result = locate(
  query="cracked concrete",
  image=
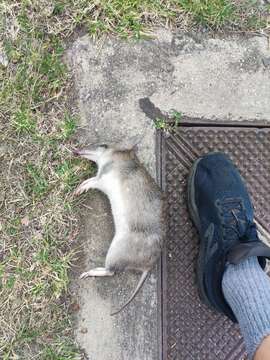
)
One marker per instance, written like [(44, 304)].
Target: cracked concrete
[(201, 77)]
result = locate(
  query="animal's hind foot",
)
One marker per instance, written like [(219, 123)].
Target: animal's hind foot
[(96, 272)]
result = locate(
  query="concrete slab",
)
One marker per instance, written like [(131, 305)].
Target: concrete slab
[(199, 76)]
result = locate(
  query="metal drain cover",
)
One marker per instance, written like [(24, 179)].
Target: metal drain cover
[(189, 329)]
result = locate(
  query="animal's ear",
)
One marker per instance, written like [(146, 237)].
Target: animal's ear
[(135, 148), (130, 143), (133, 151), (134, 142)]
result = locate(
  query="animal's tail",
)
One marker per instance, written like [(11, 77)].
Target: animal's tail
[(135, 292)]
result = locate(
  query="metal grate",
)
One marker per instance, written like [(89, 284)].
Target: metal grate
[(189, 330)]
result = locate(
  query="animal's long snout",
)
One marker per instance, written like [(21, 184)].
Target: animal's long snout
[(76, 152), (81, 152), (86, 153)]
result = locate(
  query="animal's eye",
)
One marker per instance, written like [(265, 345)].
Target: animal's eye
[(105, 146)]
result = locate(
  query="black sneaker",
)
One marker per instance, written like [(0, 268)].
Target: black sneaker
[(222, 211)]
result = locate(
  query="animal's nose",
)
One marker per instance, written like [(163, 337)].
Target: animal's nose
[(76, 152)]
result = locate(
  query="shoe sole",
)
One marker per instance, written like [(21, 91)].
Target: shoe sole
[(196, 220)]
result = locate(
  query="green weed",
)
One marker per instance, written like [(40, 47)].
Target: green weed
[(161, 124), (23, 121), (59, 351), (36, 184), (68, 127), (169, 124), (176, 117)]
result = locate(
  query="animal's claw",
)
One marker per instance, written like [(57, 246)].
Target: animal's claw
[(84, 275)]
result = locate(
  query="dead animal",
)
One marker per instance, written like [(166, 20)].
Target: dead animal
[(137, 208)]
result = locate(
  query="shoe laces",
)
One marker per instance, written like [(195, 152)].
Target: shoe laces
[(235, 223)]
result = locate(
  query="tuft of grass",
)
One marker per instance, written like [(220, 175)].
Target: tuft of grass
[(68, 126), (169, 124), (60, 351), (36, 182), (210, 13), (23, 121), (69, 173), (38, 175), (176, 117), (161, 124), (127, 18)]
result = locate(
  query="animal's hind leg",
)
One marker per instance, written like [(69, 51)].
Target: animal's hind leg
[(99, 271)]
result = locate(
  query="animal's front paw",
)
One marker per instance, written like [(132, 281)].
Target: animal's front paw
[(80, 189), (86, 185), (83, 187)]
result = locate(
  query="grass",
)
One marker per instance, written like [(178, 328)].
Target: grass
[(213, 13), (38, 174), (169, 124)]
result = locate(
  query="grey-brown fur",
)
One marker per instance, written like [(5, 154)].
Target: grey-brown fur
[(137, 207)]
